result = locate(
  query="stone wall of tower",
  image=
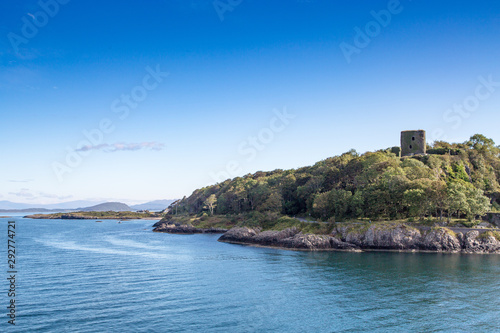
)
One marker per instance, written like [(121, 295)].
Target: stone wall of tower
[(413, 143)]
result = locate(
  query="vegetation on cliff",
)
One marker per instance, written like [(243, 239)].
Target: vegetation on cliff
[(454, 180), (262, 221)]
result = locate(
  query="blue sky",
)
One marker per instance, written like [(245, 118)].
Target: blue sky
[(251, 85)]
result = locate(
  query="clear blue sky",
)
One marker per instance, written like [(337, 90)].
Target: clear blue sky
[(349, 81)]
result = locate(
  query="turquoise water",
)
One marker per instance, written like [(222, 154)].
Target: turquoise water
[(83, 276)]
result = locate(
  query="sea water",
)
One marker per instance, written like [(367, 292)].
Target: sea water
[(88, 276)]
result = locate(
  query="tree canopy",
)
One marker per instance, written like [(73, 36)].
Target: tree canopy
[(453, 180)]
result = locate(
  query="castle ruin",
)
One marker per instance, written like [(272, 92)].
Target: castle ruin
[(413, 143)]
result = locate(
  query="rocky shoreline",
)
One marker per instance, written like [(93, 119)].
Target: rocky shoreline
[(396, 237), (356, 238), (184, 229)]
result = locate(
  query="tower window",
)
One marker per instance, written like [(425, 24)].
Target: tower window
[(411, 147), (412, 138)]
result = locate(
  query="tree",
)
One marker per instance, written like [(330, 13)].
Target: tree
[(321, 205), (482, 144), (341, 200), (211, 203), (457, 198), (414, 169), (414, 199), (274, 203), (478, 203), (439, 197), (358, 204)]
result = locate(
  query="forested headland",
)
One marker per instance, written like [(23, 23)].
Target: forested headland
[(454, 180)]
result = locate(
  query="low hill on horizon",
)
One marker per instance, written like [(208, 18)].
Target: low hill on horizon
[(156, 205), (107, 206), (81, 205)]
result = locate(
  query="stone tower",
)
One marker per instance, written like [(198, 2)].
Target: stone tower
[(413, 143)]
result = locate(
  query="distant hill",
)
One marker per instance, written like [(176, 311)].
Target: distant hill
[(156, 205), (8, 205), (82, 205), (107, 206)]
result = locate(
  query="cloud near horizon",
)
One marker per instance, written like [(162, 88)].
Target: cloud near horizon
[(21, 180), (110, 148), (29, 195)]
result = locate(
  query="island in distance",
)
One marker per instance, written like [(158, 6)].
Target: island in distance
[(85, 206)]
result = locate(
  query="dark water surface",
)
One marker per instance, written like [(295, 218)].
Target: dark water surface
[(83, 276)]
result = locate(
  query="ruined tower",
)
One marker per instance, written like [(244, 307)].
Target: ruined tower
[(413, 143)]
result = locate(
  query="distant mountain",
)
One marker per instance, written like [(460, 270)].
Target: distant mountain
[(83, 205), (156, 205), (107, 206), (6, 205)]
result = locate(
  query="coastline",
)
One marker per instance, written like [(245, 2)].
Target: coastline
[(184, 229), (386, 237), (358, 250), (352, 251)]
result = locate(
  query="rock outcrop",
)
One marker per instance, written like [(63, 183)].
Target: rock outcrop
[(289, 238), (391, 236), (184, 229), (493, 218), (473, 242), (440, 240)]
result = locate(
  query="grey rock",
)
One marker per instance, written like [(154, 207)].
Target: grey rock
[(274, 237), (440, 240), (184, 229), (240, 235), (474, 243)]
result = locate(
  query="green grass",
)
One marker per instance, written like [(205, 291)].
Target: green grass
[(448, 231), (487, 234), (263, 221), (276, 222)]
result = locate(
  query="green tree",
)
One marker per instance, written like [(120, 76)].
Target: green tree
[(457, 198), (211, 203), (478, 203), (482, 144)]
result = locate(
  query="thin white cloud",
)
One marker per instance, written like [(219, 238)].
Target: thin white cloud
[(21, 180), (110, 148), (54, 196), (26, 193)]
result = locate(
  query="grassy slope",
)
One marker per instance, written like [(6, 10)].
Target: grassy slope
[(275, 222)]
